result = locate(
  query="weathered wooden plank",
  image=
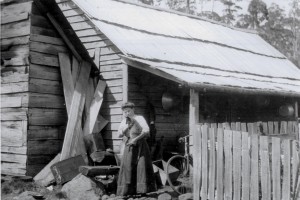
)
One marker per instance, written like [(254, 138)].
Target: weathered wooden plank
[(44, 59), (90, 90), (228, 164), (109, 50), (16, 9), (15, 61), (283, 127), (92, 38), (212, 164), (13, 133), (14, 169), (254, 188), (114, 97), (39, 100), (271, 127), (276, 166), (46, 72), (193, 107), (47, 48), (265, 128), (68, 84), (11, 101), (8, 88), (45, 86), (14, 77), (73, 133), (13, 158), (43, 147), (94, 108), (97, 57), (45, 176), (79, 18), (109, 68), (295, 169), (220, 177), (236, 164), (73, 12), (51, 117), (15, 150), (68, 5), (286, 176), (204, 165), (13, 114), (16, 29), (265, 168), (7, 43), (98, 44), (16, 51), (44, 31), (14, 18), (276, 128), (45, 133), (75, 70), (197, 163), (111, 62), (46, 39), (245, 167), (82, 25), (40, 21), (88, 32)]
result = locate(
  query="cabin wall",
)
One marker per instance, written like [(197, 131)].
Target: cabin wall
[(145, 88), (47, 115), (15, 31), (106, 57)]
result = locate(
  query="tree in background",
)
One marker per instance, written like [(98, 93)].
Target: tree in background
[(258, 12), (230, 8)]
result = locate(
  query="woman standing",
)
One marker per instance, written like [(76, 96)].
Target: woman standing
[(136, 173)]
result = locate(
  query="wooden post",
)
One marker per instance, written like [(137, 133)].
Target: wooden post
[(193, 120), (125, 83), (297, 121)]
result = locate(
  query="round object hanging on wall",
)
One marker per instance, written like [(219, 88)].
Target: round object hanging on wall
[(169, 101), (286, 110)]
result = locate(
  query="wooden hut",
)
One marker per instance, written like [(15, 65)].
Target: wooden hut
[(188, 69)]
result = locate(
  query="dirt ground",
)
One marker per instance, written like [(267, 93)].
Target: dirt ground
[(17, 189)]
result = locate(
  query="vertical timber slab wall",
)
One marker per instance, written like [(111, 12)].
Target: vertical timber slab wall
[(144, 87), (15, 31), (106, 57), (47, 115)]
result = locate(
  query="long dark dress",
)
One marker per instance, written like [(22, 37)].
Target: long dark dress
[(136, 173)]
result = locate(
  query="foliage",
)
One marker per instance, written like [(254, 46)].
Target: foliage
[(229, 10), (258, 12)]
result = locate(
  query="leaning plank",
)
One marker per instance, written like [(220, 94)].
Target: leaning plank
[(45, 177), (68, 85), (75, 69), (94, 108), (73, 132)]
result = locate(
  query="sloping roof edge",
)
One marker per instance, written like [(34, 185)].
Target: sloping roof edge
[(205, 87)]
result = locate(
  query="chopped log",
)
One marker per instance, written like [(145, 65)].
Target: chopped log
[(45, 177), (66, 170), (92, 171)]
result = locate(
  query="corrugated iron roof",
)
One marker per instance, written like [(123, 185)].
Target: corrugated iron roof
[(192, 49)]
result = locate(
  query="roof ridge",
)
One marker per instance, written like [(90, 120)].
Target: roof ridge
[(189, 15)]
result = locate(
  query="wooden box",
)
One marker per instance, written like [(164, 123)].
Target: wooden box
[(66, 170)]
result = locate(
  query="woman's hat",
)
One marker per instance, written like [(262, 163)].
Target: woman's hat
[(127, 105)]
